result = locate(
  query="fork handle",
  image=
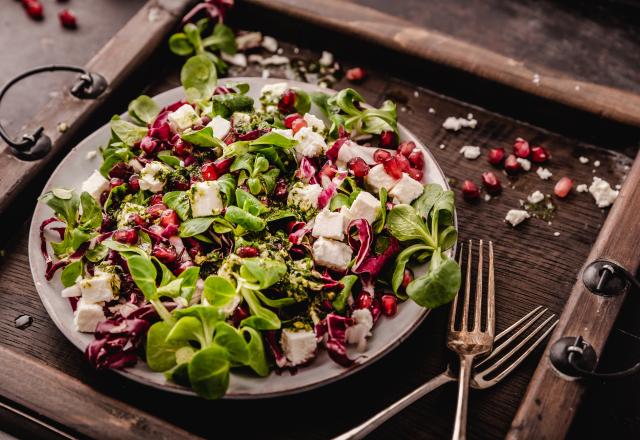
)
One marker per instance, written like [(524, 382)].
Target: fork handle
[(366, 427), (460, 427)]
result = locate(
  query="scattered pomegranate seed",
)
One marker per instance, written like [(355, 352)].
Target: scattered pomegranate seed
[(415, 174), (155, 211), (165, 253), (134, 183), (356, 74), (540, 154), (223, 165), (287, 102), (148, 144), (182, 148), (406, 148), (407, 277), (511, 164), (496, 156), (34, 9), (363, 301), (121, 170), (281, 191), (170, 231), (247, 252), (389, 305), (375, 309), (169, 217), (417, 159), (162, 132), (563, 187), (114, 181), (403, 162), (329, 170), (156, 199), (491, 183), (68, 19), (288, 120), (470, 190), (298, 124), (392, 167), (189, 160), (126, 236), (380, 156), (137, 219), (521, 148), (387, 139), (193, 246), (358, 167), (209, 171)]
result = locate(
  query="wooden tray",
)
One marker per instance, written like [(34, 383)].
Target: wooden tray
[(533, 265)]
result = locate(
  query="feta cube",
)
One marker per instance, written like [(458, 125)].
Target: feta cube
[(310, 143), (602, 192), (220, 127), (378, 179), (152, 176), (71, 291), (358, 333), (332, 254), (329, 225), (87, 316), (406, 190), (205, 199), (365, 206), (350, 150), (314, 123), (95, 185), (535, 197), (516, 216), (544, 173), (184, 117), (304, 196), (298, 346), (101, 287)]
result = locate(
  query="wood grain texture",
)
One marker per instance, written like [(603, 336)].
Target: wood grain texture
[(125, 52), (403, 36)]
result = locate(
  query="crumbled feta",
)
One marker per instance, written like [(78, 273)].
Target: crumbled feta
[(544, 173), (358, 333), (95, 185), (127, 210), (255, 58), (184, 117), (275, 60), (248, 40), (432, 111), (596, 163), (205, 199), (332, 254), (377, 178), (329, 225), (303, 196), (442, 146), (298, 346), (313, 122), (270, 43), (516, 216), (406, 190), (602, 192), (237, 59), (470, 152), (71, 291), (536, 197), (273, 91), (101, 287), (87, 316), (365, 206), (326, 59), (152, 176), (524, 163), (455, 124), (310, 143), (582, 188), (220, 126), (583, 159), (556, 234)]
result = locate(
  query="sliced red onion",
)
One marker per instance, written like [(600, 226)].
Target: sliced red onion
[(335, 327), (332, 153), (361, 245), (327, 193), (306, 171), (300, 229)]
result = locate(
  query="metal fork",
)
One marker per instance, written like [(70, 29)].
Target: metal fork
[(503, 360), (471, 341)]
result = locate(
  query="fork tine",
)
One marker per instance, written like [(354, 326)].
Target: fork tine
[(506, 331), (454, 303), (478, 306), (522, 343), (491, 294), (467, 288), (513, 337)]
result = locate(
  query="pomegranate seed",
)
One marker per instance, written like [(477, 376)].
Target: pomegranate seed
[(281, 191), (287, 102), (358, 167), (169, 217), (182, 148), (406, 148), (193, 246), (415, 174), (162, 132), (496, 156), (363, 301), (107, 224), (148, 144), (403, 162), (134, 183), (380, 156), (247, 252), (491, 183), (138, 219), (34, 9), (155, 211), (165, 253), (511, 164), (288, 120), (521, 148), (179, 184), (209, 171), (392, 167), (375, 309), (563, 187), (189, 160), (155, 199), (470, 190), (407, 277), (387, 139), (356, 74), (68, 19), (417, 159), (389, 305), (170, 231), (540, 154), (115, 182), (126, 236), (223, 165), (297, 124), (121, 170)]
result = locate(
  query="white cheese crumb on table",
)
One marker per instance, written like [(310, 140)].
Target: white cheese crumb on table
[(583, 159), (455, 124), (470, 152), (582, 188), (516, 216), (535, 197), (602, 192), (544, 173), (524, 163)]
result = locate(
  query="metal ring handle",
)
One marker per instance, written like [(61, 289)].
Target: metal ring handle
[(35, 146), (576, 352)]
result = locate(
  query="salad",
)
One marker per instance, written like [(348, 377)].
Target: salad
[(221, 233)]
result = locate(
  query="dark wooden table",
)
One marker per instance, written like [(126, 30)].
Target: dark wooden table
[(533, 265)]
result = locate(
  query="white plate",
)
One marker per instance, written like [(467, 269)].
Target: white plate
[(387, 334)]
